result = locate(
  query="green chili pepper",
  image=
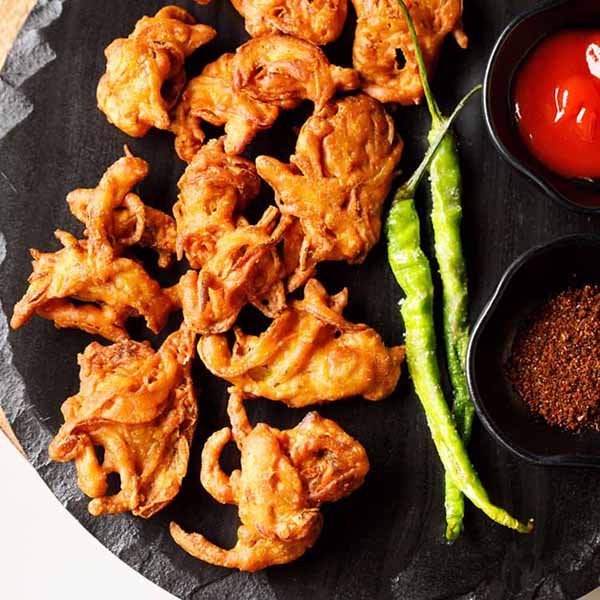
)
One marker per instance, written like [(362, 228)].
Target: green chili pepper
[(412, 271), (446, 216)]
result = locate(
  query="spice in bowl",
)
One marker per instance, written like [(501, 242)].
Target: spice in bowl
[(555, 360)]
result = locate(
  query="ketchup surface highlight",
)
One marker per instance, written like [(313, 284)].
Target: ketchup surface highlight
[(556, 98)]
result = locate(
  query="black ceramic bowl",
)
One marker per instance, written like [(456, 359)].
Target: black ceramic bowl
[(512, 47), (534, 277)]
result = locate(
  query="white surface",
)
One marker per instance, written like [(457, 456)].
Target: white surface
[(45, 554)]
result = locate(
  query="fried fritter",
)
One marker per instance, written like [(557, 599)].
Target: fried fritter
[(246, 91), (285, 476), (331, 463), (87, 284), (309, 354), (245, 268), (317, 21), (140, 407), (210, 97), (113, 191), (144, 72), (381, 31), (336, 184), (214, 189), (107, 294), (130, 221), (282, 70)]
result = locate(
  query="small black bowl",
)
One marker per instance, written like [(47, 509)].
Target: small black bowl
[(515, 42), (534, 277)]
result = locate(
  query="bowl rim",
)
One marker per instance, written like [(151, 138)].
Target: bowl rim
[(557, 196), (562, 460)]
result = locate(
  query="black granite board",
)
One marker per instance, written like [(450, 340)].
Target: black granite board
[(386, 540)]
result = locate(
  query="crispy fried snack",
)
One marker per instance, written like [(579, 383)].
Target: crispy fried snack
[(245, 268), (285, 476), (140, 407), (214, 189), (108, 288), (336, 184), (210, 97), (130, 221), (319, 22), (246, 91), (282, 70), (309, 354), (108, 293), (381, 30), (144, 72)]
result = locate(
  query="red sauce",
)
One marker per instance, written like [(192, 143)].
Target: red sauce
[(557, 103)]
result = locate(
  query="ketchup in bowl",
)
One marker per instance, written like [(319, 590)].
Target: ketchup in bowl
[(556, 98)]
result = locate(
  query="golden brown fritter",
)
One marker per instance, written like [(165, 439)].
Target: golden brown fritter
[(135, 223), (284, 478), (130, 221), (87, 284), (107, 293), (214, 189), (140, 407), (113, 191), (210, 97), (336, 184), (330, 462), (246, 91), (309, 354), (317, 21), (282, 70), (245, 268), (381, 31), (144, 72)]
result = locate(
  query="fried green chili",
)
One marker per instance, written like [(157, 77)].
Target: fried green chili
[(412, 271), (446, 216)]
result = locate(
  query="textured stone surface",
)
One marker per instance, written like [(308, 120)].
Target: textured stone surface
[(385, 541)]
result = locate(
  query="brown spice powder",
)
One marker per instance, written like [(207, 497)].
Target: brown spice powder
[(555, 360)]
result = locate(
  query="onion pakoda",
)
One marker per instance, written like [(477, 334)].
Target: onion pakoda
[(282, 70), (336, 184), (210, 97), (144, 72), (382, 31), (246, 268), (87, 284), (214, 190), (71, 289), (140, 407), (308, 355), (284, 478), (130, 222), (317, 21), (246, 91)]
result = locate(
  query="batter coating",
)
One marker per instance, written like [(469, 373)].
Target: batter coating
[(140, 407), (284, 478), (309, 354), (382, 31), (144, 72)]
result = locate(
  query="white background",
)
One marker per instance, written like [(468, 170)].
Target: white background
[(45, 554)]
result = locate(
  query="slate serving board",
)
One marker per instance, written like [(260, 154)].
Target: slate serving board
[(386, 540)]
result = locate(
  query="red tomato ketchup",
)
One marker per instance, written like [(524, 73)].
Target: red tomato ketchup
[(557, 103)]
